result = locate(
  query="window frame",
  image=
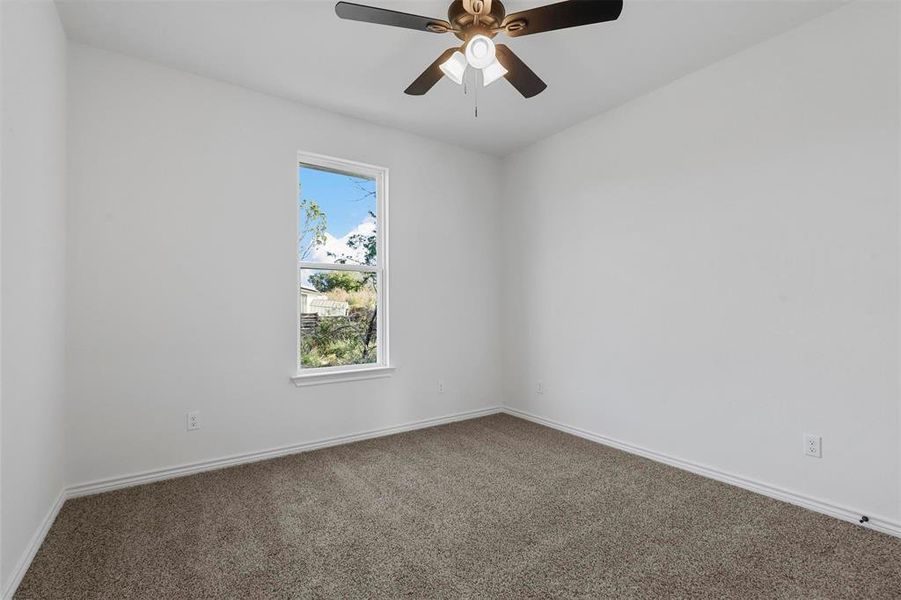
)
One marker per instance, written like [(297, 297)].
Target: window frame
[(382, 367)]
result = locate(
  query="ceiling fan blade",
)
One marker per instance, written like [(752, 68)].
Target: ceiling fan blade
[(561, 15), (519, 74), (383, 16), (430, 76)]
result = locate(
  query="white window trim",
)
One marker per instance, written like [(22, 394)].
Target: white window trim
[(382, 368), (354, 373)]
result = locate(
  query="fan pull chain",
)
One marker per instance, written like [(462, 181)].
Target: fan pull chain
[(476, 76)]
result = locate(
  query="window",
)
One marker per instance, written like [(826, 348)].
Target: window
[(342, 268)]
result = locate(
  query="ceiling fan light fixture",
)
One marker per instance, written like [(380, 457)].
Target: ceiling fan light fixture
[(480, 51), (492, 73), (475, 22), (454, 67)]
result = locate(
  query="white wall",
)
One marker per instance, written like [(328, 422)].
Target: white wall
[(182, 291), (32, 188), (712, 270)]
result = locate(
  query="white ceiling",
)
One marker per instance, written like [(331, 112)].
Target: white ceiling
[(300, 50)]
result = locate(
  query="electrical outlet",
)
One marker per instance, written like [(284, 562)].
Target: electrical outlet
[(540, 387), (813, 445), (440, 386), (193, 420)]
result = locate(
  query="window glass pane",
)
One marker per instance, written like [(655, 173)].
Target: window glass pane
[(337, 217), (338, 318)]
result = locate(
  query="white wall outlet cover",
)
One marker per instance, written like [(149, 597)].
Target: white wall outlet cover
[(440, 386), (193, 420), (540, 387), (813, 445)]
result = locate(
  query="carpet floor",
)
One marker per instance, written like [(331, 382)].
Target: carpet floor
[(496, 507)]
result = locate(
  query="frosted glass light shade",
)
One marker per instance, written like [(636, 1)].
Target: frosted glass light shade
[(480, 51), (492, 73), (454, 67)]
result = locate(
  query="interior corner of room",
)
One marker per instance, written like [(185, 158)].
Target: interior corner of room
[(661, 292)]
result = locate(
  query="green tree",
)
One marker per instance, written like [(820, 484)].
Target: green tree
[(326, 281), (367, 335), (313, 223)]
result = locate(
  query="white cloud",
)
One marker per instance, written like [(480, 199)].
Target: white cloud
[(338, 247)]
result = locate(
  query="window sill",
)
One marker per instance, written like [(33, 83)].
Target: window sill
[(316, 378)]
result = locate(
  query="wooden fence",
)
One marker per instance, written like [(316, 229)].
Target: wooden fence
[(308, 322)]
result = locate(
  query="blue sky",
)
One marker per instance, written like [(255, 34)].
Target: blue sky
[(342, 198)]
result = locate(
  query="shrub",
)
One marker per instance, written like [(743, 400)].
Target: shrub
[(340, 341)]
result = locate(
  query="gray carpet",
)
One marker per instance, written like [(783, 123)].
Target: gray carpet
[(491, 508)]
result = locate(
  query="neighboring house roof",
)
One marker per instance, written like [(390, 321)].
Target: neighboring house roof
[(304, 288)]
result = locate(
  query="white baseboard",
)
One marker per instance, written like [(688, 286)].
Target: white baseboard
[(844, 513), (36, 540), (115, 483)]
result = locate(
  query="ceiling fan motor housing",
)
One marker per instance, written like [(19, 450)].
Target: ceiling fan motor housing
[(464, 23)]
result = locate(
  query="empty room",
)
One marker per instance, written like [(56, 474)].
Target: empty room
[(483, 299)]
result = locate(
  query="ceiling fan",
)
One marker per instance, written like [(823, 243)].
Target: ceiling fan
[(476, 22)]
